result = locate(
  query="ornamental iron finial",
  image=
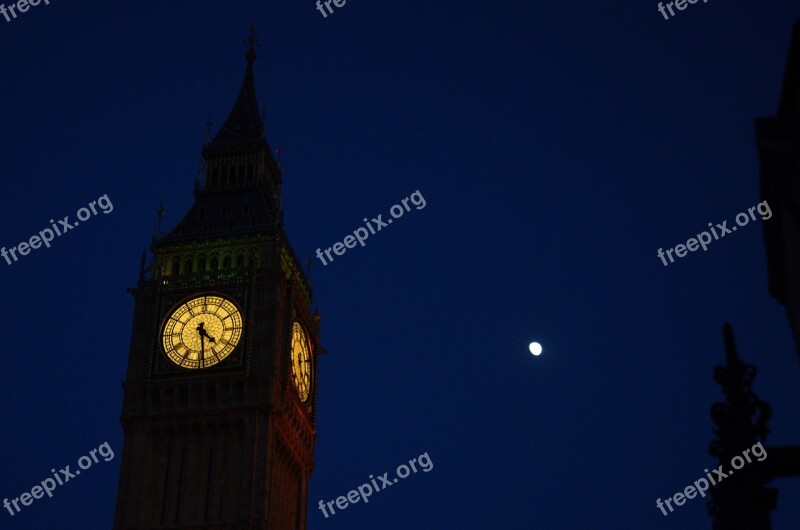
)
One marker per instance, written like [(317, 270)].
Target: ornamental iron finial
[(252, 42), (209, 125), (741, 423)]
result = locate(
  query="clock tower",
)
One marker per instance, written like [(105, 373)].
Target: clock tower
[(220, 393)]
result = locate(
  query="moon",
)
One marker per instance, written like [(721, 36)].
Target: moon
[(535, 348)]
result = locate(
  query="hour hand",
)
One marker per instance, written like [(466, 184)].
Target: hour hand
[(203, 333)]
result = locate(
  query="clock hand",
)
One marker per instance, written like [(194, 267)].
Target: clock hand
[(203, 333)]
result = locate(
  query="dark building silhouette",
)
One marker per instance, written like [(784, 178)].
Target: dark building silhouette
[(778, 143), (219, 404), (744, 501)]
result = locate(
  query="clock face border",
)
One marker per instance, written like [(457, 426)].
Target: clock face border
[(305, 392), (162, 366), (199, 324)]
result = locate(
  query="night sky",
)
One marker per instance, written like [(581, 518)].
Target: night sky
[(558, 146)]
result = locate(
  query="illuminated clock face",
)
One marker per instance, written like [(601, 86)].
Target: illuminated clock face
[(301, 362), (202, 332)]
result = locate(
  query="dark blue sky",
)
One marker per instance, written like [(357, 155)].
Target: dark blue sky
[(558, 146)]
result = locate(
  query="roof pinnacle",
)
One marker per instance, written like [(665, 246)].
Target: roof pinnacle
[(252, 43)]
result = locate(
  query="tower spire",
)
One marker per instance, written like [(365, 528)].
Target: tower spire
[(244, 125)]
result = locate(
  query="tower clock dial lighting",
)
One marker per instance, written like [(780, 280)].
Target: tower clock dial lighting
[(200, 382), (301, 362), (202, 332)]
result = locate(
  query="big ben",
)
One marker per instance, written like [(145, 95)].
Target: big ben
[(220, 393)]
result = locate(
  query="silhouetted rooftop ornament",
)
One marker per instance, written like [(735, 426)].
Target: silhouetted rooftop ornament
[(743, 501), (252, 43), (209, 124), (157, 230)]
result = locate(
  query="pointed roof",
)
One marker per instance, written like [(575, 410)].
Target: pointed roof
[(244, 124)]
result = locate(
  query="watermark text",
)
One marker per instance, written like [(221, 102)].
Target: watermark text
[(59, 478), (704, 238), (375, 485), (47, 235), (701, 485)]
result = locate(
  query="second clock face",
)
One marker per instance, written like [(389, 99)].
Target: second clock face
[(202, 332), (301, 362)]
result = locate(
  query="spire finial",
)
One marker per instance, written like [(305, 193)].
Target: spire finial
[(142, 265), (209, 124), (157, 229), (252, 43), (160, 214)]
